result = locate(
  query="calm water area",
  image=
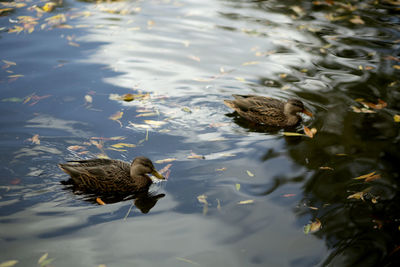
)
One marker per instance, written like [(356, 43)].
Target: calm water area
[(237, 194)]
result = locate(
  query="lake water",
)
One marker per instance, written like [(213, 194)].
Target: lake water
[(237, 194)]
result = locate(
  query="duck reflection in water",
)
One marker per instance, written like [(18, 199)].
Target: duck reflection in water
[(113, 180)]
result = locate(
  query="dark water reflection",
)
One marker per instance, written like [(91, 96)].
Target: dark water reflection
[(189, 56)]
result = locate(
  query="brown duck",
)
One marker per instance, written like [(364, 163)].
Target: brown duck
[(111, 176), (268, 111)]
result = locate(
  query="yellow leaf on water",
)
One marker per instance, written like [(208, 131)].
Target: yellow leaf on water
[(48, 7), (244, 202), (240, 79), (88, 98), (43, 258), (364, 176), (165, 160), (122, 145), (397, 67), (15, 76), (237, 187), (187, 260), (249, 173), (9, 63), (221, 169), (116, 116), (396, 118), (9, 263), (16, 29), (251, 63), (283, 75), (358, 195), (292, 134)]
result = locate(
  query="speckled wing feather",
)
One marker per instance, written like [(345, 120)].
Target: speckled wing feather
[(258, 109)]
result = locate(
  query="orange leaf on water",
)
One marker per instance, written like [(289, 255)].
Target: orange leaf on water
[(99, 201)]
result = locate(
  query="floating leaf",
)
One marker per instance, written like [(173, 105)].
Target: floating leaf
[(128, 97), (244, 202), (358, 195), (218, 124), (195, 156), (139, 126), (309, 132), (288, 195), (240, 79), (326, 168), (88, 99), (187, 261), (116, 116), (9, 263), (203, 199), (251, 63), (35, 139), (122, 145), (195, 58), (165, 160), (186, 109), (237, 187), (165, 171), (12, 99), (362, 110), (155, 123), (99, 201), (43, 258), (312, 227), (75, 148), (9, 63), (249, 173), (397, 67), (364, 176), (48, 7), (221, 169), (149, 114), (396, 118), (357, 20), (283, 75), (292, 134)]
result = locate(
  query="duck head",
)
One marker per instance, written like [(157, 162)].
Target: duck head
[(141, 166)]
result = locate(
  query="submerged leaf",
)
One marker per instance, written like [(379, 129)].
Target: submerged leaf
[(249, 173), (9, 263), (237, 187), (43, 258), (244, 202)]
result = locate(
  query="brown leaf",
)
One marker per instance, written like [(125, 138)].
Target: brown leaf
[(357, 20)]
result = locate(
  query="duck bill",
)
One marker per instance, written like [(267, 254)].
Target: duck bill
[(307, 112), (158, 175)]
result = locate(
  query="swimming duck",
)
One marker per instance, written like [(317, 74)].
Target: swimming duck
[(268, 111), (111, 176)]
